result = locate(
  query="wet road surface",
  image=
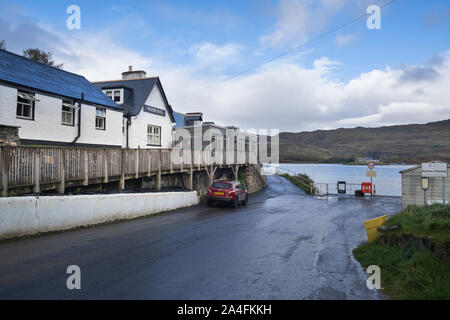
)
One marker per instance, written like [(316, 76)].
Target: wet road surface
[(284, 245)]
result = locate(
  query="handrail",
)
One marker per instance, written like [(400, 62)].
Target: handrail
[(33, 167), (297, 175), (308, 183)]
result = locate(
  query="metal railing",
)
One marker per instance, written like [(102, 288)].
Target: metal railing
[(325, 189), (307, 183), (318, 189)]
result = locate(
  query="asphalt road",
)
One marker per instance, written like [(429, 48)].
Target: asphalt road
[(284, 245)]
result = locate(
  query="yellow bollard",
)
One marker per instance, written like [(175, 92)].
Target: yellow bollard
[(371, 228)]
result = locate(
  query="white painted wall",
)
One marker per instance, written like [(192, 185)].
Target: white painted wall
[(47, 124), (138, 128), (90, 135), (23, 216), (124, 132)]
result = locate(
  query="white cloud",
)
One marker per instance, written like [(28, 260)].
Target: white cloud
[(282, 94), (400, 113), (325, 65), (96, 58), (208, 54), (291, 98), (298, 19), (345, 39)]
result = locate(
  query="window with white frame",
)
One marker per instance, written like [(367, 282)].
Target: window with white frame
[(153, 135), (100, 119), (68, 113), (25, 105), (115, 95)]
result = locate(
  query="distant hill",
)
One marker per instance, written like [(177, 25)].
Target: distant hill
[(395, 144)]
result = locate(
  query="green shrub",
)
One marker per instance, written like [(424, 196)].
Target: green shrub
[(407, 274), (424, 221), (296, 181)]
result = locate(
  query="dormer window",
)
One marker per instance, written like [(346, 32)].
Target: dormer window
[(115, 94)]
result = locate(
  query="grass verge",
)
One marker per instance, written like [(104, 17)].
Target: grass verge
[(296, 181), (412, 273), (431, 221), (407, 274)]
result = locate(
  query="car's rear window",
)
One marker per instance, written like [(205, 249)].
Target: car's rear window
[(221, 185)]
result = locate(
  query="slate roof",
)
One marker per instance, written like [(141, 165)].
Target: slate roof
[(18, 70), (179, 119), (136, 93)]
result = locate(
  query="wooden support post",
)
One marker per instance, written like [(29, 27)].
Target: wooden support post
[(86, 168), (236, 172), (136, 164), (62, 172), (37, 170), (149, 163), (105, 166), (211, 172), (158, 178), (191, 179), (182, 160), (4, 169), (122, 172)]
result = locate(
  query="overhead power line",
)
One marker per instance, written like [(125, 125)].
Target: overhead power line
[(286, 53)]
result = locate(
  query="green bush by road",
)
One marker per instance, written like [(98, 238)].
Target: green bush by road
[(296, 180), (407, 274), (412, 273), (431, 221)]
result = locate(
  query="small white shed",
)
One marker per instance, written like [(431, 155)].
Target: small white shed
[(412, 193)]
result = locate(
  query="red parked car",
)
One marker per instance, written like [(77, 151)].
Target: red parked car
[(231, 192)]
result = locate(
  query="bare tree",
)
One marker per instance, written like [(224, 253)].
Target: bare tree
[(41, 56), (3, 45)]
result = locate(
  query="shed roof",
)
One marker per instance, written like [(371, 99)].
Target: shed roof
[(18, 70), (417, 167)]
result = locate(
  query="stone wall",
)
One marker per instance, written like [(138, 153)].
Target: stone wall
[(253, 179), (249, 175), (9, 136)]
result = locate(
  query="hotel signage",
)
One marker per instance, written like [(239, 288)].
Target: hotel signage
[(150, 109)]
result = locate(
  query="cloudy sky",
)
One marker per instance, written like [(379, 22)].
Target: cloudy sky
[(210, 56)]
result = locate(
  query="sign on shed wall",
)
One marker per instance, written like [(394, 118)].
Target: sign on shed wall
[(434, 170)]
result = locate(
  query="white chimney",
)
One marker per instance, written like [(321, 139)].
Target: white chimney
[(130, 74)]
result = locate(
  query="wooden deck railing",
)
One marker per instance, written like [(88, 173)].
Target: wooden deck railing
[(42, 168)]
